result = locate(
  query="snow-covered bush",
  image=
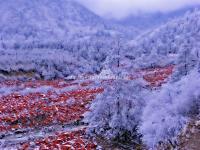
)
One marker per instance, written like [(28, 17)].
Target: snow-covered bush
[(169, 108), (117, 111)]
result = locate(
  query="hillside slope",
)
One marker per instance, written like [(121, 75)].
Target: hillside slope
[(43, 21), (49, 37), (173, 43)]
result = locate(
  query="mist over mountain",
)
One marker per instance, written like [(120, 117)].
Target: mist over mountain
[(152, 20)]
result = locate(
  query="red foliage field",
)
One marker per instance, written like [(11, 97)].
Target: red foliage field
[(62, 141), (35, 110)]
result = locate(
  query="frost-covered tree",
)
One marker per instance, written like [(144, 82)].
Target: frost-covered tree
[(116, 113), (168, 109), (187, 60)]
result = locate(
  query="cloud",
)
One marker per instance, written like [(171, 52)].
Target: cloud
[(122, 8)]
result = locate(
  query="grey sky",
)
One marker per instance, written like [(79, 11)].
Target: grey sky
[(121, 8)]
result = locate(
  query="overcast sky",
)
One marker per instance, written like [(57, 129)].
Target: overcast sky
[(122, 8)]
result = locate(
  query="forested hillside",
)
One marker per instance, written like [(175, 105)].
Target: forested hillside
[(65, 29)]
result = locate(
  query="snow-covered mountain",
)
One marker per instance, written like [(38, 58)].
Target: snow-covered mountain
[(38, 30), (43, 21)]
